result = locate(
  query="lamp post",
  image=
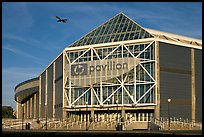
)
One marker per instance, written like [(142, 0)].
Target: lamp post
[(169, 100), (117, 113), (22, 114), (86, 116), (46, 116), (108, 111), (75, 112)]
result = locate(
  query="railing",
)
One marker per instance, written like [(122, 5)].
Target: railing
[(128, 122), (175, 124)]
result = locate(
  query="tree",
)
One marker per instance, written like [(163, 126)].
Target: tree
[(7, 112)]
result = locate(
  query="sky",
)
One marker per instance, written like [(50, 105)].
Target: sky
[(32, 37)]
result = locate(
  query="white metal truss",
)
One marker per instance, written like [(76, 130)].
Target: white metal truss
[(120, 82)]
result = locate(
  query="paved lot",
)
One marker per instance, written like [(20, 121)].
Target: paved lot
[(97, 133)]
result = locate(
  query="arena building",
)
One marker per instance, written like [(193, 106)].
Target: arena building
[(118, 70)]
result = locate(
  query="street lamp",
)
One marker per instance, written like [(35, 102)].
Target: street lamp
[(86, 116), (108, 111), (45, 116), (117, 112), (22, 114), (169, 100)]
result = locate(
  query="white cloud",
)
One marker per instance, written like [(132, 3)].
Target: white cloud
[(13, 37), (44, 44), (22, 53), (25, 40)]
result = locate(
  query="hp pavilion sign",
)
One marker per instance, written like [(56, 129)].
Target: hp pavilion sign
[(79, 69), (90, 72), (84, 69)]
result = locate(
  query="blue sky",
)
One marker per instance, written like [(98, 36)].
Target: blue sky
[(31, 37)]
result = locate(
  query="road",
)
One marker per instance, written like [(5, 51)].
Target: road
[(98, 133)]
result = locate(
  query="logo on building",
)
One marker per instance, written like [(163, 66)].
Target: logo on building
[(110, 66), (90, 72), (79, 69), (84, 69)]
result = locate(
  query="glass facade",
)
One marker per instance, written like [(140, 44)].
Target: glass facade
[(118, 28)]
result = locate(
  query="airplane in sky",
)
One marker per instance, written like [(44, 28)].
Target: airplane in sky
[(61, 19)]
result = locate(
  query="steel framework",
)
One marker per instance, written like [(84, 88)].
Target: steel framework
[(135, 87)]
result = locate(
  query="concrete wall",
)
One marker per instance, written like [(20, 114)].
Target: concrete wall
[(58, 87), (43, 82), (175, 80), (33, 106), (46, 85), (50, 91), (198, 84), (47, 82), (37, 105)]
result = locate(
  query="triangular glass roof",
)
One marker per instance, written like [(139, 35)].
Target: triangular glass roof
[(118, 28)]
